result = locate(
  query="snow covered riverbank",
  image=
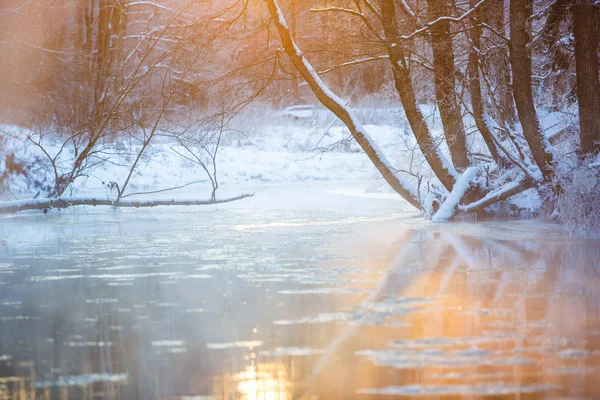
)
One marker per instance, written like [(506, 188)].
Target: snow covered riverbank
[(291, 152), (284, 154)]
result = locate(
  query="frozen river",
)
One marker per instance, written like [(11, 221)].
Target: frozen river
[(314, 293)]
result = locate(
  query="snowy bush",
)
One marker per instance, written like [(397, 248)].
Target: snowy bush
[(578, 204)]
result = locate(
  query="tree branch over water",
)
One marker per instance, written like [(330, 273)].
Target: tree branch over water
[(66, 202)]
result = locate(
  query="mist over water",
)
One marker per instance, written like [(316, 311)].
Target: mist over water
[(293, 303)]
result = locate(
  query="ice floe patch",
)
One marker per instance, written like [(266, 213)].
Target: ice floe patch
[(197, 276), (359, 319), (583, 370), (14, 303), (81, 380), (491, 389), (577, 353), (168, 343), (399, 305), (334, 290), (65, 270), (466, 376), (233, 345), (319, 319), (445, 342), (291, 352), (50, 278), (195, 310), (18, 318), (109, 277), (426, 358), (117, 268), (88, 344), (170, 346), (101, 301)]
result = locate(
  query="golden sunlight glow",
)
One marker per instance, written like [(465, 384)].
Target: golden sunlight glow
[(258, 382)]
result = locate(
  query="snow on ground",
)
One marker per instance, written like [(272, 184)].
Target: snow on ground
[(288, 153)]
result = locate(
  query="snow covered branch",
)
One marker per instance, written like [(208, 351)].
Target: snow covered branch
[(449, 207), (66, 202), (429, 25)]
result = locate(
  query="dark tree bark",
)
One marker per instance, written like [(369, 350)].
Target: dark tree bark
[(475, 88), (557, 12), (445, 90), (405, 90), (520, 60), (493, 13), (586, 19)]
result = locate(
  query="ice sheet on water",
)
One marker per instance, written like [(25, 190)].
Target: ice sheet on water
[(330, 290), (101, 301), (168, 343), (88, 344), (399, 305), (577, 353), (319, 319), (577, 370), (291, 351), (196, 276), (499, 389), (445, 342), (250, 344), (403, 359), (80, 380)]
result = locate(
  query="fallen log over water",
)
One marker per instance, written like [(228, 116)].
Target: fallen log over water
[(66, 202)]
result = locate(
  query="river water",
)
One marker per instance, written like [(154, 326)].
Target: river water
[(310, 294)]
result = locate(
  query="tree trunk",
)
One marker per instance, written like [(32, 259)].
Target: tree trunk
[(475, 89), (445, 90), (493, 13), (405, 90), (586, 31), (520, 60), (337, 106)]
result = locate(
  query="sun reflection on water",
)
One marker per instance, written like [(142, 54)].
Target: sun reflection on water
[(269, 381)]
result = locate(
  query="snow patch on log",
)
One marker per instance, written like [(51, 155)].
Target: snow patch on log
[(448, 208)]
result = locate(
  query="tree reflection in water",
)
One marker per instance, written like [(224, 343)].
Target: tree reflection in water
[(482, 317)]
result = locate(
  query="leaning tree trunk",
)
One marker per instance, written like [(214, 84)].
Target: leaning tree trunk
[(475, 88), (337, 106), (520, 60), (445, 90), (586, 19), (405, 90)]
